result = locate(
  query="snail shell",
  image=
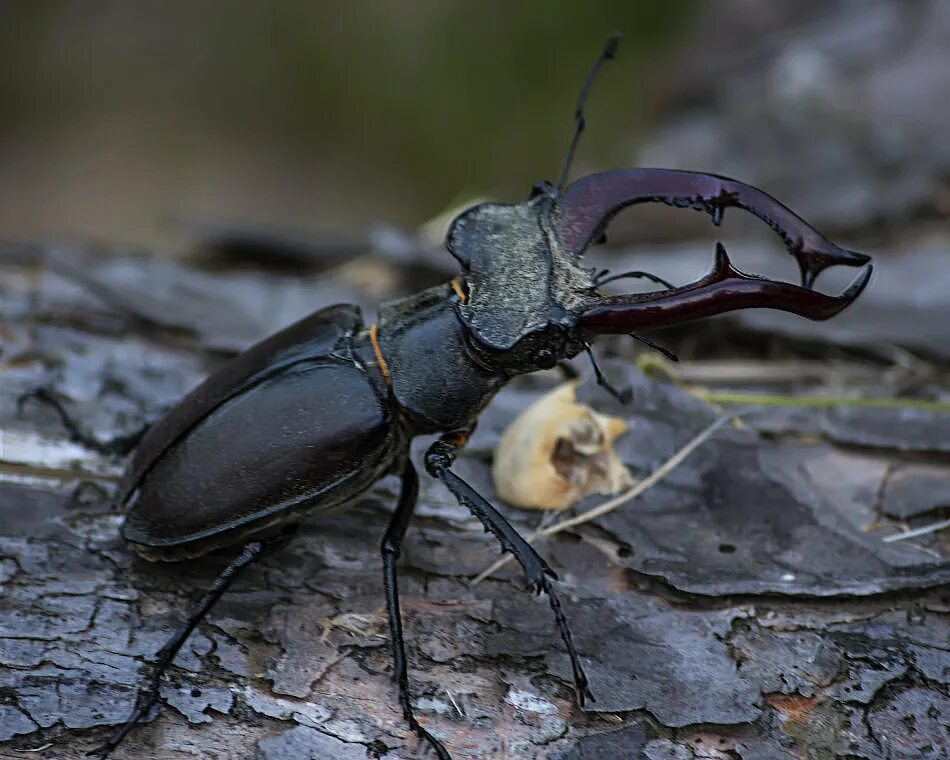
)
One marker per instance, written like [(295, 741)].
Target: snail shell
[(557, 451)]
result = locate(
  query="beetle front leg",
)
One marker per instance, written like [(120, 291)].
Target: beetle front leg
[(438, 460), (391, 549)]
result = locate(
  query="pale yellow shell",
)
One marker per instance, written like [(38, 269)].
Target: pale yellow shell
[(558, 451)]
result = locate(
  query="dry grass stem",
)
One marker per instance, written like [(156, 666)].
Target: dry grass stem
[(921, 531), (821, 401), (611, 504)]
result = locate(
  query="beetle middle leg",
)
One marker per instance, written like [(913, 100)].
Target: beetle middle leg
[(148, 697), (391, 549), (538, 574)]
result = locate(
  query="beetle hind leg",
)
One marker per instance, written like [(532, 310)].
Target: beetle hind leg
[(118, 446), (538, 574), (391, 549), (148, 696)]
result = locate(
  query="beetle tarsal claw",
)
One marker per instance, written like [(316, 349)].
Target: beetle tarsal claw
[(581, 684)]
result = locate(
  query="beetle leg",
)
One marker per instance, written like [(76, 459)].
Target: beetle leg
[(655, 346), (391, 548), (118, 446), (438, 461), (147, 698), (602, 279)]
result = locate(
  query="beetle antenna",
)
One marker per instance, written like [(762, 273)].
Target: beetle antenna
[(623, 396), (608, 53)]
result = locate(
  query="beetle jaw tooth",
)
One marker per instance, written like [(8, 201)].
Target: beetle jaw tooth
[(723, 290)]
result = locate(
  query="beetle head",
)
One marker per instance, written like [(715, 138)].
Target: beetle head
[(531, 300), (589, 204), (522, 289)]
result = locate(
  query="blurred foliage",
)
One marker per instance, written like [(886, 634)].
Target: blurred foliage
[(413, 101)]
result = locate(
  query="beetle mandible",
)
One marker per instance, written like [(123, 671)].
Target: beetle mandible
[(357, 394)]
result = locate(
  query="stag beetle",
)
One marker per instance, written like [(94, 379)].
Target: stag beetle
[(310, 418)]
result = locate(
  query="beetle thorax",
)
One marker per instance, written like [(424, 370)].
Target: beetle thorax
[(522, 289)]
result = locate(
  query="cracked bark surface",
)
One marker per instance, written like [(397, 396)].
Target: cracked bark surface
[(745, 607)]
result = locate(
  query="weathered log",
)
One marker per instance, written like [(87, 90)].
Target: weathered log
[(745, 607)]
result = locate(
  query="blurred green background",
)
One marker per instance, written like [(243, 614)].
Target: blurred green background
[(320, 115)]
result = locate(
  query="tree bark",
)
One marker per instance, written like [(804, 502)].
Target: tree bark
[(744, 607)]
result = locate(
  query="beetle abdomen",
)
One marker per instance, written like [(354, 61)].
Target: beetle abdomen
[(313, 437), (311, 337)]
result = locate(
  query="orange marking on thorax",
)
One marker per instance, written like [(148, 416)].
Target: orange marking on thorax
[(457, 287), (383, 367)]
